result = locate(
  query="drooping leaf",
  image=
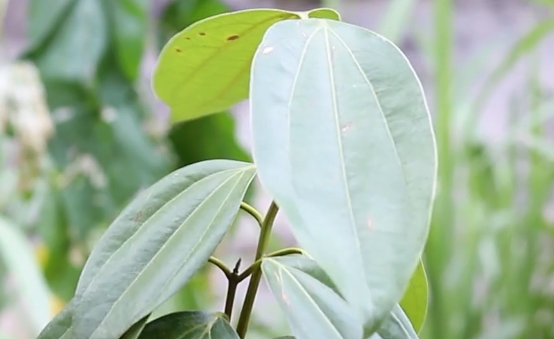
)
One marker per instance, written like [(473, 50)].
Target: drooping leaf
[(190, 325), (206, 67), (130, 29), (416, 298), (74, 52), (156, 244), (312, 308), (343, 142), (16, 255), (137, 328), (59, 327)]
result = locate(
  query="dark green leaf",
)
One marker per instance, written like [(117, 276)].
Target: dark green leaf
[(135, 330), (313, 309), (156, 244), (190, 325), (343, 141), (130, 25)]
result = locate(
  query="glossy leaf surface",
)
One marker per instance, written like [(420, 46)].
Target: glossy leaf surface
[(205, 68), (343, 142), (189, 325), (312, 308), (156, 244)]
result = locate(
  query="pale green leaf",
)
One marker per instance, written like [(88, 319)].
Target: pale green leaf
[(416, 298), (343, 141), (313, 309), (156, 244), (44, 16), (397, 326), (60, 326), (31, 289), (205, 68), (190, 325)]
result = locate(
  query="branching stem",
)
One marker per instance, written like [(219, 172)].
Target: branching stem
[(253, 212), (263, 240)]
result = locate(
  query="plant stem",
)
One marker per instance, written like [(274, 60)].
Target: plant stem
[(284, 252), (234, 281), (253, 212), (263, 239), (221, 266)]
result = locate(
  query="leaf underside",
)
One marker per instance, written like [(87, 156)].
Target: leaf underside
[(343, 142)]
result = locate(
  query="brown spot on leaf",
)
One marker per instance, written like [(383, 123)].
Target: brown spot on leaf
[(232, 37), (178, 50), (187, 38), (201, 33), (137, 216)]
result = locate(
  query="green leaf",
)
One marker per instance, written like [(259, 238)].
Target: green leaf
[(189, 325), (137, 328), (16, 254), (397, 326), (313, 309), (416, 298), (342, 139), (84, 33), (130, 25), (156, 244), (60, 326), (44, 17), (205, 68)]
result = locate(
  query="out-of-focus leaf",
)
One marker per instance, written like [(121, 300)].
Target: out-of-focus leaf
[(189, 325), (17, 256), (343, 141), (213, 137), (74, 52), (205, 68), (45, 16), (416, 298), (129, 20), (156, 244), (60, 326), (312, 308), (394, 22)]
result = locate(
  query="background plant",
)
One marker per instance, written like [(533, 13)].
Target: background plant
[(480, 220)]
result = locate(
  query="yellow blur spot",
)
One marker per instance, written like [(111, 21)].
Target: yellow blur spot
[(41, 253), (56, 304)]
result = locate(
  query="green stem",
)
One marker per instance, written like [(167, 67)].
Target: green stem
[(263, 240), (234, 281), (284, 252), (221, 266), (253, 212)]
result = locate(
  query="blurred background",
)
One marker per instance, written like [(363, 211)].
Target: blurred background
[(81, 133)]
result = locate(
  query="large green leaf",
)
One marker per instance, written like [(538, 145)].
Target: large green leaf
[(156, 244), (416, 298), (130, 28), (190, 325), (17, 257), (60, 326), (397, 321), (206, 67), (343, 142), (312, 308), (137, 328)]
